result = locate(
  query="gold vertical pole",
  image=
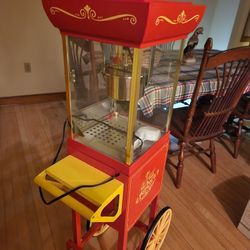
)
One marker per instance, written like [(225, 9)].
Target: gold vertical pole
[(134, 94), (176, 80), (67, 79)]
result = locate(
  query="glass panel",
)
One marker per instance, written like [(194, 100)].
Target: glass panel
[(166, 59), (86, 63), (100, 84), (101, 76), (160, 66)]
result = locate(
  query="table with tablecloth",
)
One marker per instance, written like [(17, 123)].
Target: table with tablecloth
[(158, 93)]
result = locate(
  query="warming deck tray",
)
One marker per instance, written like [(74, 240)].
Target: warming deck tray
[(71, 172)]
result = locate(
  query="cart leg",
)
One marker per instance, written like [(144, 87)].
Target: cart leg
[(153, 209), (77, 232), (77, 229), (123, 237)]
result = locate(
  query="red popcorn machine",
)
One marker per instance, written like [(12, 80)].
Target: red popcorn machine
[(114, 50)]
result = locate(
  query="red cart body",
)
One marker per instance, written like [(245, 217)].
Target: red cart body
[(110, 37)]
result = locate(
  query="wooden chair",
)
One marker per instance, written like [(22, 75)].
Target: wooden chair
[(85, 64), (242, 111), (203, 120)]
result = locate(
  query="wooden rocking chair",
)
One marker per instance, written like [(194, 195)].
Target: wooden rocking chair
[(204, 120)]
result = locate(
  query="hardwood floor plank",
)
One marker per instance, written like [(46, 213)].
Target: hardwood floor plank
[(16, 191), (200, 194), (206, 210), (181, 219), (3, 178), (35, 148)]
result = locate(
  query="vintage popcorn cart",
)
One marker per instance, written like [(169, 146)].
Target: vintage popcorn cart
[(113, 50)]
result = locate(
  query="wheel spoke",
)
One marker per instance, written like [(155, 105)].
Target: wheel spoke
[(159, 231), (162, 235), (165, 219), (152, 242)]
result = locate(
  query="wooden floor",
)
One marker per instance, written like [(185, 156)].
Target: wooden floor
[(206, 209)]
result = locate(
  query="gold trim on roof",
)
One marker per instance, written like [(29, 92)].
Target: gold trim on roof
[(181, 19), (88, 13)]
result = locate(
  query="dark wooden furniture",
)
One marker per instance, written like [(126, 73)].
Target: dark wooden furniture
[(242, 111), (204, 118)]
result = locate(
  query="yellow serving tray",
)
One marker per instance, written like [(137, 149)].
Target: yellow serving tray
[(71, 172)]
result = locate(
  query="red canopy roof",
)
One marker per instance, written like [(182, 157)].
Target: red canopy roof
[(134, 23)]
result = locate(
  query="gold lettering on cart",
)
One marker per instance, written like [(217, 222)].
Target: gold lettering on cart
[(147, 185), (181, 19), (88, 13)]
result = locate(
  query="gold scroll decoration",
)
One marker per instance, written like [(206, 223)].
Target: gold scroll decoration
[(181, 19), (147, 185), (88, 13)]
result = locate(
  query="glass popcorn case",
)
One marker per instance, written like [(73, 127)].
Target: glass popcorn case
[(117, 54), (106, 83)]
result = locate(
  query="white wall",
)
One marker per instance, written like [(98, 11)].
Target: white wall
[(239, 25), (26, 35), (207, 19), (218, 21), (223, 22)]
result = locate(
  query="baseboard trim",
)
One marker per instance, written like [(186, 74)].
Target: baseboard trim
[(30, 99)]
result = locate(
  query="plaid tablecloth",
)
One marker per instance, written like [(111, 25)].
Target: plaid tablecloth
[(159, 94)]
